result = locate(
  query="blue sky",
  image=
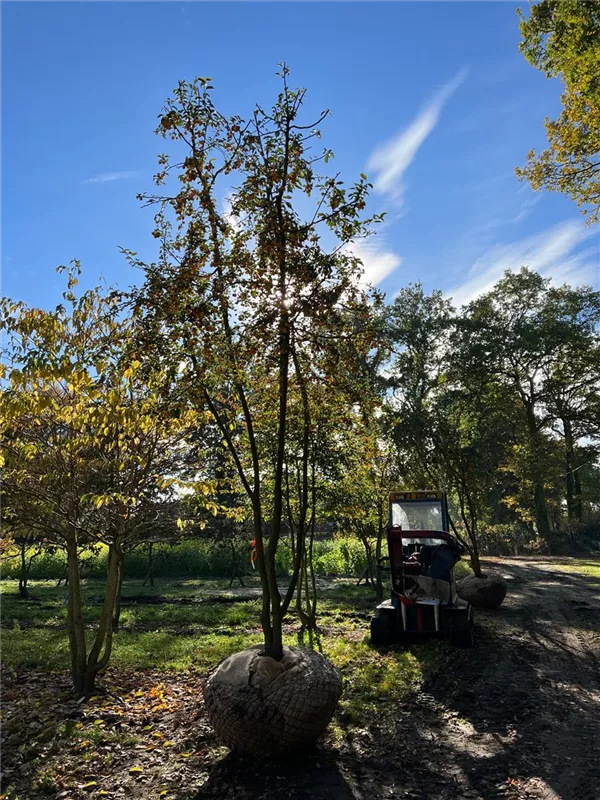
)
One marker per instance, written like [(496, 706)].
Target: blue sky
[(432, 100)]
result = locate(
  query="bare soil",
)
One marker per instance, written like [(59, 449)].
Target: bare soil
[(516, 717)]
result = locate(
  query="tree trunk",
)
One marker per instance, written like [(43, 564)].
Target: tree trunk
[(364, 577), (274, 648), (150, 574), (578, 497), (307, 586), (300, 588), (235, 567), (474, 536), (117, 613), (378, 546), (312, 604), (75, 625), (104, 636), (474, 559), (469, 519), (64, 577), (368, 572), (265, 614), (542, 519), (24, 573), (573, 484)]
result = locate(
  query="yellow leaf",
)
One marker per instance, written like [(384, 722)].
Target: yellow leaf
[(135, 770), (169, 744), (89, 785)]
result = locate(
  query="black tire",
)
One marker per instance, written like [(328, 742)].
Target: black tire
[(461, 632), (383, 627)]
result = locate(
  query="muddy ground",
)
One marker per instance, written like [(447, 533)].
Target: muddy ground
[(516, 717)]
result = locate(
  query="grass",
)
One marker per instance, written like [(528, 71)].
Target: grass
[(163, 636), (147, 729), (195, 635), (146, 736), (587, 567)]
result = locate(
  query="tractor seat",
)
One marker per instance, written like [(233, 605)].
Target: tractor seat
[(438, 560)]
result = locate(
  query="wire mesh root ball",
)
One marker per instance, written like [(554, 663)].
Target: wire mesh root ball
[(488, 591), (259, 706)]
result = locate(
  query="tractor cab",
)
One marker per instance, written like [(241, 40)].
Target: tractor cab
[(421, 561)]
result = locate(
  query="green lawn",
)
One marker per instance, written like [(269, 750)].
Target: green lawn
[(196, 629), (581, 566), (148, 734)]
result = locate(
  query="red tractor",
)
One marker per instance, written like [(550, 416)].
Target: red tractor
[(422, 558)]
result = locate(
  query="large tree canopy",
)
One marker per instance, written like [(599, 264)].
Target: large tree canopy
[(562, 39)]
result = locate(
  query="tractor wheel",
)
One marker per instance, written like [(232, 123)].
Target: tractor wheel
[(461, 632), (383, 627)]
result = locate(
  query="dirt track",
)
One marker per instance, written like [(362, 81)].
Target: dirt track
[(516, 717)]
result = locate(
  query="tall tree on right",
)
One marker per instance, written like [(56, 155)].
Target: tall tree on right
[(562, 39), (530, 336)]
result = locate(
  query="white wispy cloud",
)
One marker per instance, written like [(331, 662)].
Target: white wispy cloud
[(377, 259), (108, 177), (551, 253), (528, 203), (390, 161)]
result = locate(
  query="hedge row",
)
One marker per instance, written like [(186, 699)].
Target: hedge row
[(199, 559)]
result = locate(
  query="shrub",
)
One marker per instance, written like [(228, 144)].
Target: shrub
[(198, 558), (506, 540)]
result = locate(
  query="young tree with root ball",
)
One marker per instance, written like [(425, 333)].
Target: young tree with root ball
[(244, 290)]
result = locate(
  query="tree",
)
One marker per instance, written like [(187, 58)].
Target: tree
[(529, 336), (358, 497), (562, 39), (450, 423), (245, 301), (572, 385), (90, 456), (30, 548)]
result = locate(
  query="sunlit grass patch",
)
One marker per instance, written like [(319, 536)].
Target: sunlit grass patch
[(579, 566), (376, 680), (197, 635), (35, 647), (209, 614), (462, 569)]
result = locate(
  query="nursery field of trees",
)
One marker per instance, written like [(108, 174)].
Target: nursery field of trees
[(196, 473)]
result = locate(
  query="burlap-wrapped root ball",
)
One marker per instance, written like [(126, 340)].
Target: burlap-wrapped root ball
[(488, 591), (259, 706)]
